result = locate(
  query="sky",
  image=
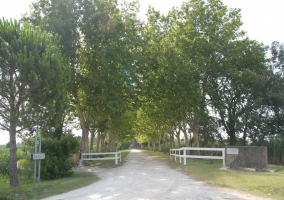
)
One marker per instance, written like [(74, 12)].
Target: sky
[(263, 20)]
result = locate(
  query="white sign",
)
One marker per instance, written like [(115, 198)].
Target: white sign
[(38, 156), (233, 151)]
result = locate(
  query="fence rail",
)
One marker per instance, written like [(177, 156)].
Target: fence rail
[(177, 153), (95, 156)]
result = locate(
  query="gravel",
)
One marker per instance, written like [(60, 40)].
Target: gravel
[(143, 177)]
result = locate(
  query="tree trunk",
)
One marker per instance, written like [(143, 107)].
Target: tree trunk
[(103, 136), (154, 145), (172, 137), (98, 142), (231, 131), (162, 138), (13, 170), (246, 122), (194, 127), (159, 144), (85, 126), (164, 143), (177, 134), (111, 142), (233, 140), (183, 128), (93, 134), (172, 140)]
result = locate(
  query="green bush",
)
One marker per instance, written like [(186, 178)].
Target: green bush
[(4, 161), (57, 162), (25, 167)]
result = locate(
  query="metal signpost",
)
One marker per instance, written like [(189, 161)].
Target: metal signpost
[(37, 156)]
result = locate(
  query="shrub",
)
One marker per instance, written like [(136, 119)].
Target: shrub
[(25, 167), (57, 162), (4, 161)]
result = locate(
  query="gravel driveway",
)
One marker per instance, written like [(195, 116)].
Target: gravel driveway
[(143, 177)]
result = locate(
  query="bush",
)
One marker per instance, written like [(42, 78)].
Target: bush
[(275, 148), (4, 161), (25, 167), (57, 162)]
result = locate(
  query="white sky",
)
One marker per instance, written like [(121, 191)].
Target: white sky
[(263, 19)]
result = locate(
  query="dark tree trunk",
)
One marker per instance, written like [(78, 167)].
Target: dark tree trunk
[(233, 140)]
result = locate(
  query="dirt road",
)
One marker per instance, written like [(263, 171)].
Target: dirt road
[(143, 177)]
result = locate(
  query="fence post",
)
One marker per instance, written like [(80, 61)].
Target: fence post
[(116, 159), (223, 155), (184, 156)]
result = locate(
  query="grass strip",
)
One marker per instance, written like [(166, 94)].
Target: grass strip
[(47, 188)]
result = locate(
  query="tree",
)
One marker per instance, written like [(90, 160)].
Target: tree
[(99, 41), (63, 17), (231, 89), (108, 62), (33, 79)]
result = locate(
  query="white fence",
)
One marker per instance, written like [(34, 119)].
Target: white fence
[(177, 153), (96, 156)]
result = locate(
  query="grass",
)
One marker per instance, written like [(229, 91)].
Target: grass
[(27, 190), (262, 184)]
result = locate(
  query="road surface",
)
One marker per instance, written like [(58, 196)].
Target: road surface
[(143, 177)]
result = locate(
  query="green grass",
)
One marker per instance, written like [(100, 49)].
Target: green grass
[(262, 184), (27, 190)]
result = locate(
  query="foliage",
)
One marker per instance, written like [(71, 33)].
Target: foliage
[(57, 162), (275, 150), (25, 168), (4, 161)]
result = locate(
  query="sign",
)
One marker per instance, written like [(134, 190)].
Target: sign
[(37, 156), (233, 151), (38, 133)]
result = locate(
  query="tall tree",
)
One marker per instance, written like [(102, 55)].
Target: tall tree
[(63, 17), (33, 79), (231, 90), (109, 60)]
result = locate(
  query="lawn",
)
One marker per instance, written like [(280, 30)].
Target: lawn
[(27, 190)]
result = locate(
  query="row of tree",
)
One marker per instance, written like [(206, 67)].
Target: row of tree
[(192, 71)]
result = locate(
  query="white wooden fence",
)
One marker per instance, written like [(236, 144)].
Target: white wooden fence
[(177, 153), (96, 156)]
